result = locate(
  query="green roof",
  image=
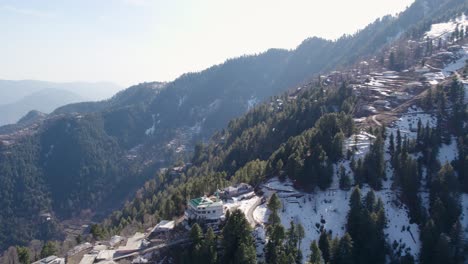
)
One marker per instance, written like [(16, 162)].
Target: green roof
[(202, 201), (196, 201)]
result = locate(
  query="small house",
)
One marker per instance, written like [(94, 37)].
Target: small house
[(163, 227), (236, 190)]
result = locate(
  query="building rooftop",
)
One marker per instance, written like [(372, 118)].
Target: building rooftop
[(88, 259), (105, 255), (133, 243), (50, 260), (205, 201), (165, 224)]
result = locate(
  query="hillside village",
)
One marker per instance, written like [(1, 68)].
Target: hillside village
[(390, 98)]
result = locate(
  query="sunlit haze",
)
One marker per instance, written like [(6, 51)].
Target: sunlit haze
[(132, 41)]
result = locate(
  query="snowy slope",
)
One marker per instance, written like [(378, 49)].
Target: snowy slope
[(444, 30), (464, 215), (322, 209), (328, 209), (459, 63), (398, 227), (448, 153), (408, 122)]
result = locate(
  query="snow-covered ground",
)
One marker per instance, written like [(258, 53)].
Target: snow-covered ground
[(150, 131), (448, 153), (457, 64), (322, 209), (464, 215), (398, 226), (434, 78), (408, 123), (328, 209), (465, 83), (444, 30), (252, 102), (242, 204), (359, 144)]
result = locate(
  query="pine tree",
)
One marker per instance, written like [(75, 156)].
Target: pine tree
[(391, 61), (48, 249), (274, 247), (355, 213), (429, 236), (391, 145), (210, 254), (196, 239), (344, 253), (274, 204), (23, 255), (370, 201), (324, 245), (456, 242), (246, 254), (442, 250), (316, 254), (300, 234), (237, 240), (398, 142)]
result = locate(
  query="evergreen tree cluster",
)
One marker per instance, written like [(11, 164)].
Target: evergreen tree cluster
[(235, 245), (283, 246), (365, 224), (371, 169)]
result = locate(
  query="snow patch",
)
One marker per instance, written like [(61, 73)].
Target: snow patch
[(252, 102), (398, 226), (359, 144), (464, 215), (434, 78), (458, 64), (242, 204), (150, 131), (316, 211), (444, 30), (448, 153), (408, 123)]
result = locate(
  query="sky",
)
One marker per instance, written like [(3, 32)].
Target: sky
[(133, 41)]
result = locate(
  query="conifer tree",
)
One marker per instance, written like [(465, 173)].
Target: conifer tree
[(344, 253), (210, 254), (315, 254), (237, 240), (324, 245)]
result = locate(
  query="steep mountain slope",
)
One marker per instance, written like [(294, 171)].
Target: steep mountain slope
[(329, 135), (88, 155)]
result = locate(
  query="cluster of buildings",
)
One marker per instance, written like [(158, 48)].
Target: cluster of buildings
[(211, 209), (104, 252), (206, 209)]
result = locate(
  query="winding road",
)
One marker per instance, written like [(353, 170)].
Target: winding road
[(249, 215)]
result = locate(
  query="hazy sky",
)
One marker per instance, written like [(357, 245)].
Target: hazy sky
[(131, 41)]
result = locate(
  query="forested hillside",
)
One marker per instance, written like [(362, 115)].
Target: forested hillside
[(314, 137), (85, 155)]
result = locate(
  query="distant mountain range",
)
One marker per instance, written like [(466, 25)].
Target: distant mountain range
[(17, 98)]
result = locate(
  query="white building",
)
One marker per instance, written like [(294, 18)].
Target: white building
[(50, 260), (236, 190), (205, 208), (164, 227)]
